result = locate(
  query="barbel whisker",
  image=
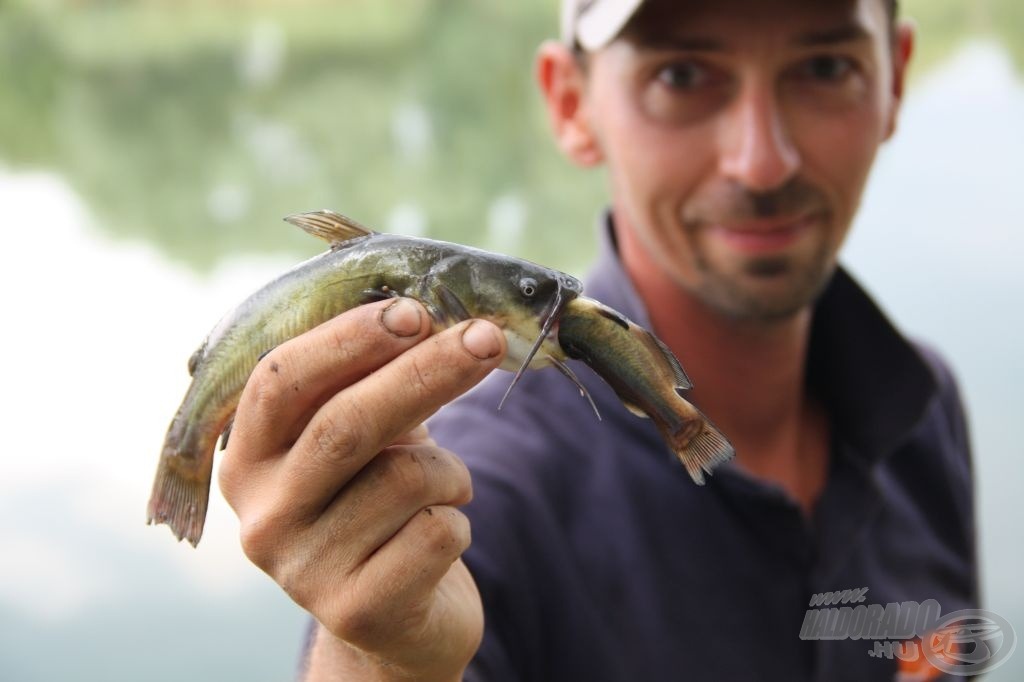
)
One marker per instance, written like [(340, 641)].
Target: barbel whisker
[(549, 321)]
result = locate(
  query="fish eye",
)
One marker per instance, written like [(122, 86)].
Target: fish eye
[(528, 285)]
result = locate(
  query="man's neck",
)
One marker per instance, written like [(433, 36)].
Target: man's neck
[(749, 378)]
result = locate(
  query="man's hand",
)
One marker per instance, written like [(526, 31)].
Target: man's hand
[(346, 502)]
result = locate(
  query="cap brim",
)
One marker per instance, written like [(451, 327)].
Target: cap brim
[(603, 21)]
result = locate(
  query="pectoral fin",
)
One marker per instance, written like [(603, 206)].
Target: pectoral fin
[(448, 308), (568, 373)]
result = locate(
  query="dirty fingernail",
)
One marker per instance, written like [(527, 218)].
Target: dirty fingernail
[(402, 318), (481, 340)]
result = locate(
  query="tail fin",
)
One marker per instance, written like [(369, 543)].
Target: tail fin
[(703, 452), (181, 490)]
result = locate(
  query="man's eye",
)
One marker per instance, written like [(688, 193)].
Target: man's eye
[(827, 68), (684, 76)]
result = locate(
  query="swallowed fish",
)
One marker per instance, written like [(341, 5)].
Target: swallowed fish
[(537, 308), (646, 376)]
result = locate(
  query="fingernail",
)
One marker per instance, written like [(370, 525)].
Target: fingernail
[(402, 318), (481, 340)]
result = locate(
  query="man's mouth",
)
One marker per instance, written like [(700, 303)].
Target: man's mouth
[(762, 236)]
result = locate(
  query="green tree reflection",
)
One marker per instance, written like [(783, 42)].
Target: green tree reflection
[(196, 126)]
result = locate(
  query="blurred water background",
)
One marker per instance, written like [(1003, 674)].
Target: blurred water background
[(147, 153)]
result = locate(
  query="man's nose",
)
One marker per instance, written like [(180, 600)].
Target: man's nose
[(756, 148)]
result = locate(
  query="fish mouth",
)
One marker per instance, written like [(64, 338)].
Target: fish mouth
[(570, 284), (568, 289)]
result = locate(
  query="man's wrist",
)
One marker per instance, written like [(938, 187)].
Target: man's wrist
[(335, 660)]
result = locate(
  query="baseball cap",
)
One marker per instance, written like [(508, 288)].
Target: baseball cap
[(594, 23)]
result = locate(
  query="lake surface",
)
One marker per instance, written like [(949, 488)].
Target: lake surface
[(101, 324)]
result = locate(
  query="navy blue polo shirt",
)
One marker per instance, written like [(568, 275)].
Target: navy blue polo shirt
[(598, 559)]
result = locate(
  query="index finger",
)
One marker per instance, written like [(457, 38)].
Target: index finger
[(294, 379), (357, 423)]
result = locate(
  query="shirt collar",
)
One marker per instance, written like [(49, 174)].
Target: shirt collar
[(873, 381)]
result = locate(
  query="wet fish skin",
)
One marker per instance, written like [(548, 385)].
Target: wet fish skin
[(452, 281), (647, 377)]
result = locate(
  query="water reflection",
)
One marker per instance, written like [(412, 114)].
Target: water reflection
[(168, 161), (201, 149), (94, 366), (196, 128)]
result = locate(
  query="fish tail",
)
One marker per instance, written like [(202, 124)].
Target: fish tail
[(181, 489), (700, 453)]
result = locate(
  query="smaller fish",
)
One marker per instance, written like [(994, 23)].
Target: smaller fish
[(647, 377)]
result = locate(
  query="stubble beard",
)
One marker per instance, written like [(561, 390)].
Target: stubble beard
[(764, 290)]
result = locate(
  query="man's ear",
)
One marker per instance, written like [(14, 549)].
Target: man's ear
[(901, 52), (563, 86)]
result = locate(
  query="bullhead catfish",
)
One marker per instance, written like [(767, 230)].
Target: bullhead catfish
[(454, 283), (646, 376)]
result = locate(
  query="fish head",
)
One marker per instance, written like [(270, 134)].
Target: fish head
[(534, 298), (507, 291), (540, 292), (523, 298)]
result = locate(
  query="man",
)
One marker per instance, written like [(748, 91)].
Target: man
[(738, 135)]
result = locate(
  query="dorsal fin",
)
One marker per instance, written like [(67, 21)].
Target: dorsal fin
[(683, 382), (332, 227)]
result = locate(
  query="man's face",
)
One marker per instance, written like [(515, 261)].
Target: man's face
[(738, 136)]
